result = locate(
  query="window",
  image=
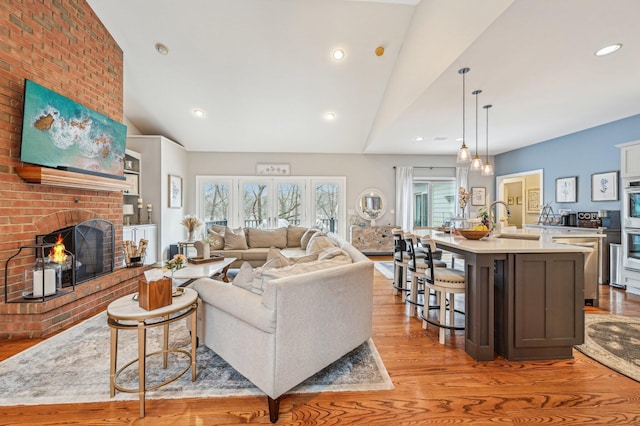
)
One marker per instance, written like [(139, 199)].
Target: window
[(433, 201), (252, 202)]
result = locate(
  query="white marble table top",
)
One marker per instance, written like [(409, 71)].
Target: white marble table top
[(202, 270), (126, 308)]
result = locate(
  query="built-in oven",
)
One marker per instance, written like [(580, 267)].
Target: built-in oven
[(631, 215), (631, 248)]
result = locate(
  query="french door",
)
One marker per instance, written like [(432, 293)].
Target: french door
[(271, 203)]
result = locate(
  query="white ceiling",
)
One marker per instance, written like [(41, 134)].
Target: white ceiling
[(262, 71)]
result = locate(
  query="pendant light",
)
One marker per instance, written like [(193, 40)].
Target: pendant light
[(487, 170), (463, 153), (476, 163)]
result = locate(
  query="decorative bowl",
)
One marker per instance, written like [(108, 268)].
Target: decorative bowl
[(470, 234)]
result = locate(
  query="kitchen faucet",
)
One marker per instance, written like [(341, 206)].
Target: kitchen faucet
[(492, 222)]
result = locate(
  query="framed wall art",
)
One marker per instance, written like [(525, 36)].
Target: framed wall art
[(604, 186), (478, 196), (533, 200), (566, 189), (175, 192)]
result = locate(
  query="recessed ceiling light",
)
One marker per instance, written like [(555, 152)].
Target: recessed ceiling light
[(338, 54), (330, 116), (198, 112), (440, 138), (608, 49), (419, 139), (162, 49)]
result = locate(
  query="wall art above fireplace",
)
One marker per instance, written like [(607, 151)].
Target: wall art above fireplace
[(58, 132)]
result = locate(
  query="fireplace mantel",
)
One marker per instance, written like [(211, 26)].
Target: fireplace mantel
[(67, 179)]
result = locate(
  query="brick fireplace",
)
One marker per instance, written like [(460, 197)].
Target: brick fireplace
[(63, 46)]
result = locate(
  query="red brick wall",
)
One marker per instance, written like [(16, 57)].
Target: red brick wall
[(61, 45)]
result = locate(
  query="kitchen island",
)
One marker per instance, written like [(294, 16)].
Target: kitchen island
[(524, 298)]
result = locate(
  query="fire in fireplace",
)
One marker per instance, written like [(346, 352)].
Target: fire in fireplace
[(92, 242)]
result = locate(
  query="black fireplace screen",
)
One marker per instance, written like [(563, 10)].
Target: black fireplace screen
[(92, 243)]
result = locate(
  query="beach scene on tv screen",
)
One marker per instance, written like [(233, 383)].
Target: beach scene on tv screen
[(58, 132)]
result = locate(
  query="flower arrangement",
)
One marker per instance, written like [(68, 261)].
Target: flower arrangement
[(191, 222), (176, 263), (463, 198)]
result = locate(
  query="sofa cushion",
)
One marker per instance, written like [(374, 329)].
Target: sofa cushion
[(333, 253), (276, 253), (302, 268), (251, 278), (216, 240), (218, 229), (319, 242), (304, 240), (235, 239), (294, 235), (260, 238)]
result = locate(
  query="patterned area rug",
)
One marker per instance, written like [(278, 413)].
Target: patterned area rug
[(73, 367), (613, 341)]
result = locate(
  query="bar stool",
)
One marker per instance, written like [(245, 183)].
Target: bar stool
[(446, 282), (418, 266)]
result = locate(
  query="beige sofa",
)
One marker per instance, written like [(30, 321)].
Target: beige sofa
[(252, 245), (307, 317)]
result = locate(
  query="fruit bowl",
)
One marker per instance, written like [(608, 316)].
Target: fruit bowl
[(471, 234)]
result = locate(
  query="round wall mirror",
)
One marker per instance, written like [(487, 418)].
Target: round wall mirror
[(371, 204)]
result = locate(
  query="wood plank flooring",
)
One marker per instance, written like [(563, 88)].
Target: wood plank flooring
[(433, 384)]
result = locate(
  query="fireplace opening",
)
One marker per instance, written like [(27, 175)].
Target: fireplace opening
[(92, 242)]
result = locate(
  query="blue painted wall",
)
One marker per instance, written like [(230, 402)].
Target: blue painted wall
[(579, 154)]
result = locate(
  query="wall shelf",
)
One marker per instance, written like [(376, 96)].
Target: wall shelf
[(67, 179)]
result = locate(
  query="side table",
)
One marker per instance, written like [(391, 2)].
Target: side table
[(126, 314)]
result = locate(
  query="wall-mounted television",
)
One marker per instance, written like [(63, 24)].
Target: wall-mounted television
[(58, 132)]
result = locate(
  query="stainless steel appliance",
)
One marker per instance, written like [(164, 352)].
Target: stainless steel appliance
[(631, 204), (631, 248)]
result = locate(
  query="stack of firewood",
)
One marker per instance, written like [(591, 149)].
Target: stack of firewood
[(134, 254)]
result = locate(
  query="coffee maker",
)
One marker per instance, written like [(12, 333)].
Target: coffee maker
[(568, 218)]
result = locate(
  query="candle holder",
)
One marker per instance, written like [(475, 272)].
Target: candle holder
[(149, 216)]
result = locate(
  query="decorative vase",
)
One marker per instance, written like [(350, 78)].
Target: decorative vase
[(191, 238)]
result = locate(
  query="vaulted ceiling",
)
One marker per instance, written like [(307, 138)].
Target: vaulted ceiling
[(263, 74)]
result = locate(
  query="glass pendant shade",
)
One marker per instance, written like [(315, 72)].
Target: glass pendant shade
[(476, 163), (487, 170), (463, 154)]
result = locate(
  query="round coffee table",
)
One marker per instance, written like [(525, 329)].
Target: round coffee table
[(125, 313)]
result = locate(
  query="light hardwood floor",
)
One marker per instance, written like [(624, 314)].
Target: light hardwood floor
[(433, 384)]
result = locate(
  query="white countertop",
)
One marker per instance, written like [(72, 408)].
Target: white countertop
[(502, 245), (560, 232)]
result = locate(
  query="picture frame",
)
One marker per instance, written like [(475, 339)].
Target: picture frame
[(533, 200), (519, 200), (566, 189), (510, 201), (175, 192), (478, 196), (604, 186)]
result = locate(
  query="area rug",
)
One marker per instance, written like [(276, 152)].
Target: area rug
[(73, 367), (613, 341), (385, 268)]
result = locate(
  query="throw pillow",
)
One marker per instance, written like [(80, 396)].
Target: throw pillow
[(219, 229), (260, 238), (244, 278), (319, 242), (304, 240), (276, 253), (332, 253), (294, 235), (235, 239), (217, 240), (257, 285)]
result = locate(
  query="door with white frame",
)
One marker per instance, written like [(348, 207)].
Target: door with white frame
[(271, 202)]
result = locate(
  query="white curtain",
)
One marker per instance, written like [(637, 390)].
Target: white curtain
[(404, 197), (462, 181)]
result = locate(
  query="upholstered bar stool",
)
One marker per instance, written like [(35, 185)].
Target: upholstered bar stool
[(446, 282), (418, 266), (400, 264)]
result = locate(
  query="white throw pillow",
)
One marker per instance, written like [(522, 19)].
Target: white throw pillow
[(234, 239)]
